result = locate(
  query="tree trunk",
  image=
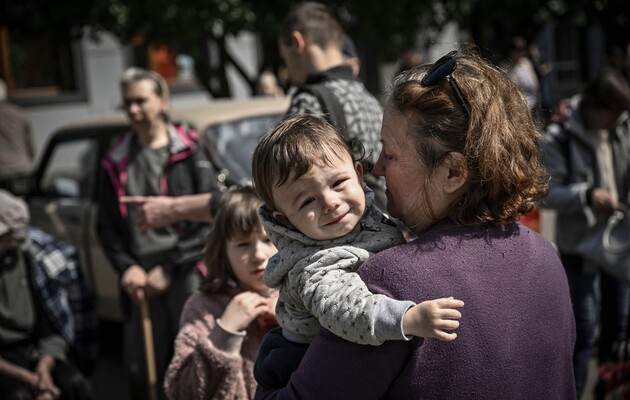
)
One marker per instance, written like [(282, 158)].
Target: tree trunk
[(210, 66), (251, 82), (202, 64), (219, 81)]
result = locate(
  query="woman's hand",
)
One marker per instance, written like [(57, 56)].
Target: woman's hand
[(134, 282), (431, 319), (158, 281), (244, 308)]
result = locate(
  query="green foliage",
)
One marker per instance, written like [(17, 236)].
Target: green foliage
[(490, 22), (383, 28), (58, 20)]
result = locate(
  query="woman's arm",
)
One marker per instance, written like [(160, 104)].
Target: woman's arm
[(343, 304), (334, 368)]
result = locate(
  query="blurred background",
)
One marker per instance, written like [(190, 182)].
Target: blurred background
[(61, 60)]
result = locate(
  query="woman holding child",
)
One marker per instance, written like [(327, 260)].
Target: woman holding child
[(461, 165)]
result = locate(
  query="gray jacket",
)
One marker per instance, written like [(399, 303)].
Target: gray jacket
[(319, 285), (571, 161), (363, 112)]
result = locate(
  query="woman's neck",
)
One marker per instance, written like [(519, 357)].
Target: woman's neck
[(154, 136)]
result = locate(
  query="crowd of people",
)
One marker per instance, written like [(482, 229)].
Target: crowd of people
[(586, 151), (378, 252)]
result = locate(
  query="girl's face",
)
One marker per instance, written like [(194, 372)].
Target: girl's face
[(248, 256)]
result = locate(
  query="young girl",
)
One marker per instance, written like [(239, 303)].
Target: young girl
[(222, 326)]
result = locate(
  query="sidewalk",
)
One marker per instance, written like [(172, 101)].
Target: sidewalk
[(591, 381), (108, 380)]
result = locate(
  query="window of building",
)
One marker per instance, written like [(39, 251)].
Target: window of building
[(39, 70)]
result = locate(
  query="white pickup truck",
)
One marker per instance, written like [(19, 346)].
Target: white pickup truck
[(64, 191)]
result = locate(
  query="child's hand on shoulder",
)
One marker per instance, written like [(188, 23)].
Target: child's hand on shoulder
[(433, 319)]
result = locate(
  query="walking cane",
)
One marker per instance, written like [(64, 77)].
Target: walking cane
[(147, 330)]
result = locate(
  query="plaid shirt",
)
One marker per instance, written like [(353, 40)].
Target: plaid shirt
[(66, 299)]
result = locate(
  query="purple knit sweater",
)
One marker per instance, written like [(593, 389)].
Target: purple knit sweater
[(516, 335)]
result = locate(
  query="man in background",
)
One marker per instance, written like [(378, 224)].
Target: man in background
[(586, 151), (311, 43), (47, 315)]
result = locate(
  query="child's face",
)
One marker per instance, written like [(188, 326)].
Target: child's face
[(325, 203), (248, 257)]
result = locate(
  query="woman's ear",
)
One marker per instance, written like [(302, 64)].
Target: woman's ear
[(455, 172), (165, 106)]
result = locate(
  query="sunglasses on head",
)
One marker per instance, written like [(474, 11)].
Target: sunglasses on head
[(443, 68)]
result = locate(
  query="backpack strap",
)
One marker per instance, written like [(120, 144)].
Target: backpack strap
[(331, 107)]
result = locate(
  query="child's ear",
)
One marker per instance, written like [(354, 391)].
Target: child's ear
[(359, 168), (280, 217)]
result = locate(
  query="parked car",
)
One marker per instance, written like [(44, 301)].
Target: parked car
[(63, 193)]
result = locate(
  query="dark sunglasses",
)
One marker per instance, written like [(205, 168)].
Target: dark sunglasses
[(443, 68)]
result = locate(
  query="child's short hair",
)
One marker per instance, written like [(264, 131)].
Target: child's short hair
[(237, 216), (292, 149)]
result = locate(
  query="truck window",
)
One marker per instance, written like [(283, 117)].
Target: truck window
[(71, 169), (231, 144)]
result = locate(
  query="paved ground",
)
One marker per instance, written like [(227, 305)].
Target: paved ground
[(108, 380), (591, 381)]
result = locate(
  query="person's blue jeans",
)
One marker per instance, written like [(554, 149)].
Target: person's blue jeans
[(583, 292), (595, 296), (614, 312)]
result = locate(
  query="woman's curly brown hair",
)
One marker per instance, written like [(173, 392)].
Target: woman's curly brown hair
[(499, 140)]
